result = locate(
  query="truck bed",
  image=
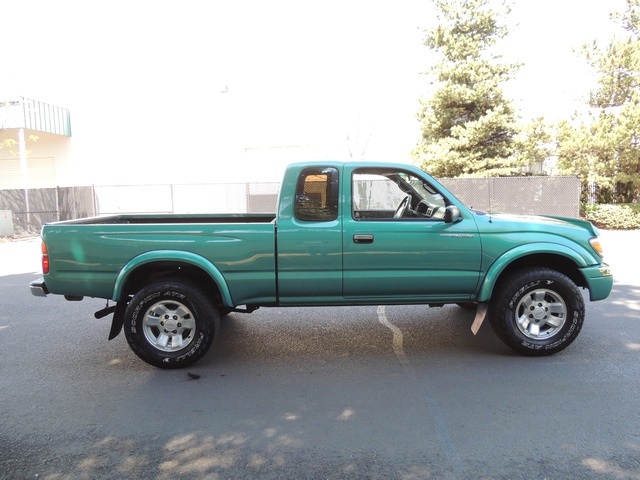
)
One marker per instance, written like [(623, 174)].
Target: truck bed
[(88, 255)]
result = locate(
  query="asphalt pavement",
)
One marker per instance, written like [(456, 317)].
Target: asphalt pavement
[(402, 392)]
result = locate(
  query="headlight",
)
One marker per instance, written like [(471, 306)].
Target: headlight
[(605, 270)]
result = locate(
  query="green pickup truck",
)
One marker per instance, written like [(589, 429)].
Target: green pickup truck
[(344, 234)]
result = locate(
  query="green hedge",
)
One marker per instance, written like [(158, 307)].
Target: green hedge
[(613, 217)]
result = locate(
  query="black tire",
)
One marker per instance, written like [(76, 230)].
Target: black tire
[(537, 311), (171, 324)]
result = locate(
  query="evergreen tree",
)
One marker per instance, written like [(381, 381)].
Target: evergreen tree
[(603, 148), (534, 144), (468, 126)]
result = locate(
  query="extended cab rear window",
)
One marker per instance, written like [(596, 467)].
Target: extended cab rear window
[(317, 195)]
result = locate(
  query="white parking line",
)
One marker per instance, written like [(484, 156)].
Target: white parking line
[(398, 339), (432, 403)]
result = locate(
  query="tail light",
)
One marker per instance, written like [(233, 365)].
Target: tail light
[(45, 258)]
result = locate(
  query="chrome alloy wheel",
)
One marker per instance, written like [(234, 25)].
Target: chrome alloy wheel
[(169, 326), (541, 314)]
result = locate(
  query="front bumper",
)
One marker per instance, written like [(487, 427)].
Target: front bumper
[(599, 281), (38, 288)]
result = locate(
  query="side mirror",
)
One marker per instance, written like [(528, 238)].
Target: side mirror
[(452, 214)]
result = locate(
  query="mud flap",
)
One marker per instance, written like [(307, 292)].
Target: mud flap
[(481, 313), (118, 320)]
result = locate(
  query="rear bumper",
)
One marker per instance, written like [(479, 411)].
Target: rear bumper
[(38, 288)]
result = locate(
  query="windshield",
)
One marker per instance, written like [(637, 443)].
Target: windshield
[(425, 191)]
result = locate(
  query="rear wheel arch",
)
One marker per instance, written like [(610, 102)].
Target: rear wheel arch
[(154, 272), (154, 266)]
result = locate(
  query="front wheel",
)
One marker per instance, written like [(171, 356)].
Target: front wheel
[(171, 324), (537, 311)]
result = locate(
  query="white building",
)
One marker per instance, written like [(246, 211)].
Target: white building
[(203, 92)]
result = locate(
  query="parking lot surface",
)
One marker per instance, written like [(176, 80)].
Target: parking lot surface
[(402, 392)]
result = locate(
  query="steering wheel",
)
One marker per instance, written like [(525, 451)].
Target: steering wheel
[(402, 208)]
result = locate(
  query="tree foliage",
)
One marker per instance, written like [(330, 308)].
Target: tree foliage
[(468, 126), (534, 143), (603, 147)]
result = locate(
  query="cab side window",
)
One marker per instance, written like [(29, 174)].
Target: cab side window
[(317, 195), (375, 195), (381, 193)]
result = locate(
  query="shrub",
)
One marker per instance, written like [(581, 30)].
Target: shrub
[(613, 217)]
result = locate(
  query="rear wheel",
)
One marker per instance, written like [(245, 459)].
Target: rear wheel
[(537, 311), (171, 324)]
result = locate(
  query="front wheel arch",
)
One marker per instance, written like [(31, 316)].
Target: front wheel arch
[(506, 265)]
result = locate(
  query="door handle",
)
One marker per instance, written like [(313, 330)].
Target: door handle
[(363, 239)]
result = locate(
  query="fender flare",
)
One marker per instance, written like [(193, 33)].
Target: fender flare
[(172, 256), (501, 263)]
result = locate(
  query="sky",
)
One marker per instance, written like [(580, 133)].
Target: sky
[(544, 36), (251, 75)]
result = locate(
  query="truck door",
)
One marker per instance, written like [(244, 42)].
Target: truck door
[(309, 253), (397, 244)]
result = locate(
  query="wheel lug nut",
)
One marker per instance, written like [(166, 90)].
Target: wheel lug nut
[(162, 323), (179, 325), (166, 317), (175, 331), (175, 317)]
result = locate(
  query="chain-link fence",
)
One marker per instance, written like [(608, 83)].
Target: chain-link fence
[(33, 208), (535, 195), (193, 198)]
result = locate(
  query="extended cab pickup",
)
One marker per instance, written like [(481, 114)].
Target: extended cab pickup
[(344, 234)]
